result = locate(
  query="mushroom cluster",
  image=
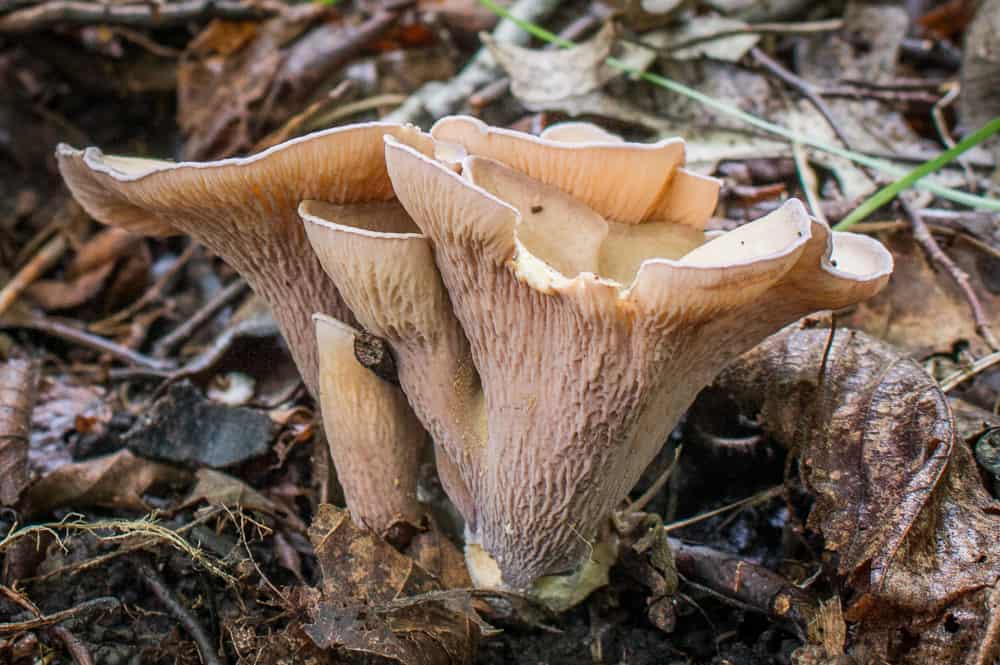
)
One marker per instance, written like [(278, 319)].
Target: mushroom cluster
[(553, 304)]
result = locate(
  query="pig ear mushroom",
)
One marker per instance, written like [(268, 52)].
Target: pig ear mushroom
[(374, 438), (587, 345), (244, 210), (581, 160)]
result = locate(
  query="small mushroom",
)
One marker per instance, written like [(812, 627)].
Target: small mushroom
[(378, 439), (568, 326), (244, 210)]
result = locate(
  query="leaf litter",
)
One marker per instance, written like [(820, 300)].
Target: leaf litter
[(882, 528)]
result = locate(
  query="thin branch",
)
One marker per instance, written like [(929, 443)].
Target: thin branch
[(144, 15), (104, 603), (923, 235), (981, 365), (791, 28), (158, 587)]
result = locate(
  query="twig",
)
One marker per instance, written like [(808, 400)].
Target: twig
[(747, 583), (145, 14), (152, 294), (754, 499), (657, 485), (158, 587), (923, 236), (76, 648), (981, 365), (937, 113), (47, 256), (437, 99), (805, 87), (791, 28), (83, 338), (178, 335), (103, 603), (897, 84), (912, 96)]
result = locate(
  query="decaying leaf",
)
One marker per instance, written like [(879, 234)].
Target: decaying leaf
[(114, 481), (65, 408), (377, 601), (87, 272), (922, 309), (225, 75), (571, 80), (217, 488), (899, 499), (18, 380)]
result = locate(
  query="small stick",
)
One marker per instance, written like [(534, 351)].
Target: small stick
[(181, 333), (937, 113), (103, 603), (980, 365), (152, 294), (76, 648), (805, 87), (145, 15), (747, 583), (923, 236), (48, 256), (791, 28), (760, 497), (88, 340), (657, 485), (158, 587)]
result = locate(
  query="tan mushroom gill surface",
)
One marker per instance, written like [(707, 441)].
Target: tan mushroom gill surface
[(244, 210)]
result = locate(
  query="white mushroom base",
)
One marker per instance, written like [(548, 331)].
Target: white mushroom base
[(557, 592)]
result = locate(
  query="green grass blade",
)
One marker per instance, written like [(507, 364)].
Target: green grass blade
[(889, 192), (894, 170)]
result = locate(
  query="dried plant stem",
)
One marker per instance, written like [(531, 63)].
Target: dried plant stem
[(158, 587), (83, 338), (181, 333), (791, 28), (977, 367), (923, 235), (76, 648), (39, 264), (754, 499), (807, 89), (145, 14), (657, 485), (86, 607)]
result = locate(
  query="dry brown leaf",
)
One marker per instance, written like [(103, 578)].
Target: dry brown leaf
[(898, 496), (377, 601), (114, 481), (63, 409), (226, 73), (217, 488), (922, 310), (18, 381)]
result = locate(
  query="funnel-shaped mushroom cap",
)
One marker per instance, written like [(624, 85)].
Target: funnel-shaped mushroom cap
[(624, 182), (374, 438), (589, 340), (244, 210), (386, 273)]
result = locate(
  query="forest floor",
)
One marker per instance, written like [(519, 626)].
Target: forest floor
[(162, 470)]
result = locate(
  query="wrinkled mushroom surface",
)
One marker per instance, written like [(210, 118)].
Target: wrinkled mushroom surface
[(244, 210), (577, 309)]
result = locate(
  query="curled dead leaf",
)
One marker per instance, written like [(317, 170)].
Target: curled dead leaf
[(898, 496), (114, 481)]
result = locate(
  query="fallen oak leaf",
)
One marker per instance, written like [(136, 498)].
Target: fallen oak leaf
[(898, 496), (377, 601)]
